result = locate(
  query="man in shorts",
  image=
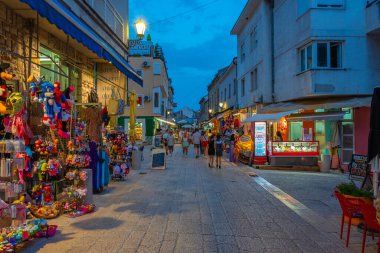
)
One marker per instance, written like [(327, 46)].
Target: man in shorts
[(171, 143), (165, 141), (196, 138)]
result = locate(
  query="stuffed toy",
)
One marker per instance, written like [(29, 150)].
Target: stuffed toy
[(37, 193), (60, 99), (4, 92), (50, 107), (48, 194), (34, 86), (66, 112)]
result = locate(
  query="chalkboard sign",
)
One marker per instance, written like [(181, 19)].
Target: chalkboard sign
[(359, 167), (158, 160)]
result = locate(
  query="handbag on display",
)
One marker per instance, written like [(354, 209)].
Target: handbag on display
[(115, 105), (93, 97)]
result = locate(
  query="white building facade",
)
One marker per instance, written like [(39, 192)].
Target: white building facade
[(318, 56)]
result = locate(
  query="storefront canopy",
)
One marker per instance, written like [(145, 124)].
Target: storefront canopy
[(316, 116), (313, 104), (268, 117), (59, 15)]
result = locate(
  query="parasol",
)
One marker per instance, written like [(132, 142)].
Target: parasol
[(132, 116), (374, 137), (187, 126)]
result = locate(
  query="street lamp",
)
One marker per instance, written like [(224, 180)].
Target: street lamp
[(210, 111), (140, 28), (221, 104)]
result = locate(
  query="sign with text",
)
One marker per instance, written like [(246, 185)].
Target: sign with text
[(260, 138), (140, 48), (358, 167)]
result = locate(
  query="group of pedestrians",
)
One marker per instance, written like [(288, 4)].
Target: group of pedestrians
[(204, 144)]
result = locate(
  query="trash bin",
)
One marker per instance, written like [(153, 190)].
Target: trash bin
[(136, 159), (326, 162)]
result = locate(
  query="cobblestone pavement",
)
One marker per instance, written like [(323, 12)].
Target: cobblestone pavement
[(191, 208)]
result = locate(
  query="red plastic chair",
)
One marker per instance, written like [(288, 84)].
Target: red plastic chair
[(350, 209), (369, 213)]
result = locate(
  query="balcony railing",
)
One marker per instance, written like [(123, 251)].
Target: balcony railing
[(370, 3), (110, 15), (373, 16)]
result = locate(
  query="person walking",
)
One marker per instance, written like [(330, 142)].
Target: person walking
[(204, 144), (196, 138), (218, 150), (165, 141), (185, 143), (171, 142), (211, 151)]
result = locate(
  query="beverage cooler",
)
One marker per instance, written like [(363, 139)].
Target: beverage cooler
[(294, 153)]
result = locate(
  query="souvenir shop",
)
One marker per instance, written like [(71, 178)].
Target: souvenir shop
[(54, 152)]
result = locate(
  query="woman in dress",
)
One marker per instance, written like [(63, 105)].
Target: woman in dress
[(204, 143), (185, 143), (219, 150), (211, 151)]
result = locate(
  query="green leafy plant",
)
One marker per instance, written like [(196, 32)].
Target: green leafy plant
[(351, 190)]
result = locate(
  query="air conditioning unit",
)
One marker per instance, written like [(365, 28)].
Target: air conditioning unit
[(146, 64), (147, 98)]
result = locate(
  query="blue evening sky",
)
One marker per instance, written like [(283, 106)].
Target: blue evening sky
[(195, 45)]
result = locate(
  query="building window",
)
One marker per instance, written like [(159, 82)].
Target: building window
[(157, 68), (229, 90), (253, 40), (306, 58), (254, 80), (242, 87), (156, 99), (235, 86), (327, 55), (225, 94), (140, 101), (242, 53)]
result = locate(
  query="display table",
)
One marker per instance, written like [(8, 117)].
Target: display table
[(294, 153)]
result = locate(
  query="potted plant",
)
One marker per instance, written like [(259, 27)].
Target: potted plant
[(356, 195)]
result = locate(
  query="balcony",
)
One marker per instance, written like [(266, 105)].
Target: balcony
[(373, 17), (110, 15)]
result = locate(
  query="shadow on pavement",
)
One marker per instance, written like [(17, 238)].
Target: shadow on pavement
[(35, 245), (97, 223)]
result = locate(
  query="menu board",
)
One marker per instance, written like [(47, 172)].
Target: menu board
[(358, 167), (260, 138)]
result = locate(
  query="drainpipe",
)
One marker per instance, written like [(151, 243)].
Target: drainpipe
[(272, 49), (236, 90)]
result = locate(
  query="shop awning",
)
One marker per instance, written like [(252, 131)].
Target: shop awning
[(58, 14), (316, 116), (313, 104), (268, 117)]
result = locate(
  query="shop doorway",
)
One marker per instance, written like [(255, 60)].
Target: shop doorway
[(347, 141)]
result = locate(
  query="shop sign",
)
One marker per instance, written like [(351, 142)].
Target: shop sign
[(260, 139), (140, 48)]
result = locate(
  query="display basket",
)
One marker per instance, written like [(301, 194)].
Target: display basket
[(48, 232), (34, 211)]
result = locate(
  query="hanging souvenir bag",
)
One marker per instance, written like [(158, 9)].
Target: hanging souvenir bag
[(93, 97), (115, 105)]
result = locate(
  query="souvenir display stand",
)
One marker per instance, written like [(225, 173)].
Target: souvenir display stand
[(120, 154)]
